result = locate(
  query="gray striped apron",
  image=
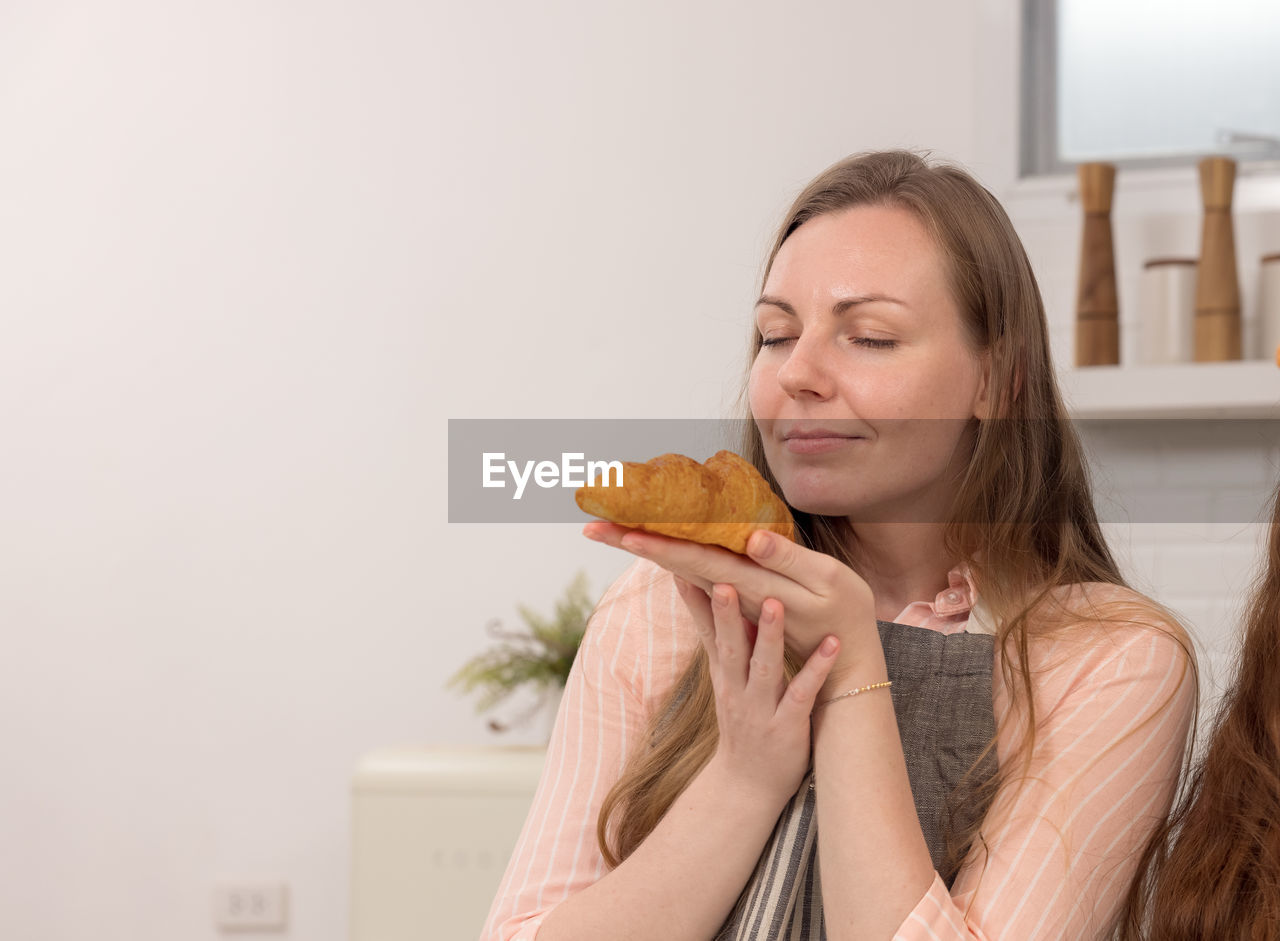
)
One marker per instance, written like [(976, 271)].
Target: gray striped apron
[(942, 698)]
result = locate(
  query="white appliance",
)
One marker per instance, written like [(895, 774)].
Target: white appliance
[(432, 830)]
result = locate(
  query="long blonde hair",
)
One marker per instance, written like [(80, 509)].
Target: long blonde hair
[(1023, 519)]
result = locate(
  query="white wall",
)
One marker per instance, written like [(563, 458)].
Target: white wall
[(254, 256)]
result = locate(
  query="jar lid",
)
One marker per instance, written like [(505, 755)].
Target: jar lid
[(1156, 262)]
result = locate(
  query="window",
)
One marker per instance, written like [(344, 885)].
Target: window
[(1142, 83)]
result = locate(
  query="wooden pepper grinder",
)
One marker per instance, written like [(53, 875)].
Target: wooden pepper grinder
[(1097, 307), (1218, 282)]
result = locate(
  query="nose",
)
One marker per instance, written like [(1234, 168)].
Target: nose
[(807, 370)]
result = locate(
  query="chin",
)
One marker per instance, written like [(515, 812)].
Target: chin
[(818, 504), (817, 491), (829, 501)]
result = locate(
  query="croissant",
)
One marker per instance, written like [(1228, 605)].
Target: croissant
[(721, 502)]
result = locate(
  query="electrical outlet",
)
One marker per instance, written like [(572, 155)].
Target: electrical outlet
[(254, 906)]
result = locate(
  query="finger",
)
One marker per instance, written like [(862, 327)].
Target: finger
[(612, 534), (699, 605), (732, 649), (797, 702), (812, 570), (702, 564), (603, 531), (767, 674)]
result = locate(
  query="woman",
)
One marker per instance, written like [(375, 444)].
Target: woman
[(731, 760), (1215, 874)]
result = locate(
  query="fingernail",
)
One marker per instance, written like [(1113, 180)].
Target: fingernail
[(828, 646), (632, 543), (760, 546), (592, 534), (720, 595), (767, 614)]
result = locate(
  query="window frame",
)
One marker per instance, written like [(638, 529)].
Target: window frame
[(1038, 151)]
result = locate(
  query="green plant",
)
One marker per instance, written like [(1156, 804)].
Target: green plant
[(539, 656)]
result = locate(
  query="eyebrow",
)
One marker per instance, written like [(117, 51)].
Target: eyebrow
[(840, 306)]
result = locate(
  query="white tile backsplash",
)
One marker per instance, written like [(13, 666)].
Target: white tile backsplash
[(1239, 505), (1201, 464), (1185, 518), (1182, 502), (1203, 569)]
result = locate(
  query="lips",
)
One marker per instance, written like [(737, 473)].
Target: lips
[(804, 432), (815, 433), (814, 439)]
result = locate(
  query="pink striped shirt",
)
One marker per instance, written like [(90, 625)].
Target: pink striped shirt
[(1113, 705)]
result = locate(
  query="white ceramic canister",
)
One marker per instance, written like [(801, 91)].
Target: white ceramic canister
[(1166, 313), (1269, 307)]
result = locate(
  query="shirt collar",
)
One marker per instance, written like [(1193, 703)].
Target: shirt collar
[(954, 609), (959, 595)]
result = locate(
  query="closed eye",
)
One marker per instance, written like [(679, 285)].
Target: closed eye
[(872, 343)]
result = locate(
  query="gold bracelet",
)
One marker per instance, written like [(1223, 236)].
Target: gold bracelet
[(855, 692)]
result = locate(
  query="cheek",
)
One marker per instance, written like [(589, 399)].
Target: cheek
[(930, 446), (759, 383), (941, 389), (882, 391), (938, 398)]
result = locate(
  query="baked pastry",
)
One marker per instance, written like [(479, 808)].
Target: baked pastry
[(721, 502)]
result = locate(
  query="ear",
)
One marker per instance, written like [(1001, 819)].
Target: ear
[(983, 407), (992, 403)]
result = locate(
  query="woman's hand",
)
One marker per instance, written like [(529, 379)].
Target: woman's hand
[(821, 595), (763, 719)]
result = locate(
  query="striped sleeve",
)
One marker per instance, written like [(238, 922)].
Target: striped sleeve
[(1113, 709), (637, 641)]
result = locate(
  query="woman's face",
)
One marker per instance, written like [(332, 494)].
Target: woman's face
[(866, 384)]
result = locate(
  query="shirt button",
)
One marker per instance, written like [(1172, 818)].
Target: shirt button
[(953, 597)]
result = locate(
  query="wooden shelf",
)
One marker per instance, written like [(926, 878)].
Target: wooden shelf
[(1246, 389)]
